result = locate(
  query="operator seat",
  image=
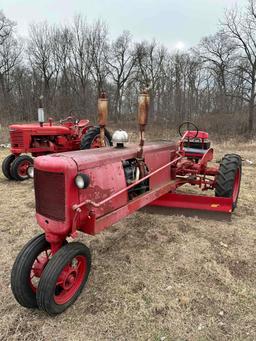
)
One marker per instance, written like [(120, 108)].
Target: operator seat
[(83, 123), (196, 147)]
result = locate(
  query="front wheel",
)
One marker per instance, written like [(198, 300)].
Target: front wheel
[(228, 179), (64, 278), (20, 166), (91, 139), (27, 270)]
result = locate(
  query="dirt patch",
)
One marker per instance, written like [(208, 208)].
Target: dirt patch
[(154, 276)]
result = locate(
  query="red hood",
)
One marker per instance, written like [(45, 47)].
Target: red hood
[(37, 129)]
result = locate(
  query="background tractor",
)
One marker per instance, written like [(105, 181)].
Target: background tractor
[(89, 191), (46, 138)]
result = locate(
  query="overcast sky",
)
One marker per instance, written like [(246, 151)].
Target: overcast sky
[(175, 23)]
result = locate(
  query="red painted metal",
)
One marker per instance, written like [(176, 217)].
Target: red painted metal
[(95, 163), (200, 134), (117, 194), (194, 202), (56, 231), (63, 209), (106, 200), (93, 225), (49, 138), (122, 180)]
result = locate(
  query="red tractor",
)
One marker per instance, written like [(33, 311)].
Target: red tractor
[(47, 138), (89, 191)]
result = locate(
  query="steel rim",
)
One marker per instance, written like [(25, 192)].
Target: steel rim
[(70, 280), (22, 169), (38, 267), (96, 142)]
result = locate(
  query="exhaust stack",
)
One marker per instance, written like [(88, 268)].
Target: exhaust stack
[(103, 116), (143, 109), (41, 111)]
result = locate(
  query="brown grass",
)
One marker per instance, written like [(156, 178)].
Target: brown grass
[(154, 277)]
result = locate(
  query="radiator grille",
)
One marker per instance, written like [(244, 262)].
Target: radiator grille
[(16, 139), (50, 194)]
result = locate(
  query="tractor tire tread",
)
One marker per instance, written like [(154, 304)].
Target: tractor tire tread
[(6, 166), (15, 167), (26, 256), (229, 165), (89, 136)]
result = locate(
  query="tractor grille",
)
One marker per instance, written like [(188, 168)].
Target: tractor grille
[(16, 139), (50, 194)]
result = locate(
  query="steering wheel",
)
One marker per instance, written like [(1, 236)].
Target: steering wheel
[(70, 119), (188, 126)]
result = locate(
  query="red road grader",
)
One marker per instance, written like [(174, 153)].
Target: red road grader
[(89, 191), (47, 138)]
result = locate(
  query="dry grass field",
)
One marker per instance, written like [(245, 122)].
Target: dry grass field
[(154, 276)]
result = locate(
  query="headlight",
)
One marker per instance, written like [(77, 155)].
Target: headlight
[(30, 171), (82, 181)]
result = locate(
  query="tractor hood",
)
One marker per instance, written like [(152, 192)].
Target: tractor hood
[(101, 156), (38, 130)]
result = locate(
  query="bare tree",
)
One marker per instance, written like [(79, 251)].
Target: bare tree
[(10, 52), (150, 61), (6, 27), (80, 58), (41, 53), (242, 28), (98, 45), (217, 53), (120, 59)]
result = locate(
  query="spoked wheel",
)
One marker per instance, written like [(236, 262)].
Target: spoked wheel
[(188, 126), (91, 139), (64, 278), (27, 270), (20, 166), (6, 166), (228, 178)]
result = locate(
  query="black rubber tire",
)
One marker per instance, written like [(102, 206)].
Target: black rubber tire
[(16, 164), (6, 166), (21, 271), (225, 179), (90, 135), (47, 285)]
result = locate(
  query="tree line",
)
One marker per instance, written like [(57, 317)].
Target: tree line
[(212, 83)]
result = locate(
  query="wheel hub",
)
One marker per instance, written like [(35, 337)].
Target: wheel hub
[(23, 168), (70, 279)]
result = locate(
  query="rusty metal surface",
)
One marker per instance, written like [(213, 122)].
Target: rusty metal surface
[(194, 202), (101, 156), (97, 225), (54, 229), (143, 108), (102, 109)]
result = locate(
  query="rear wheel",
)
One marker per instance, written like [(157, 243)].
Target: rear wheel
[(64, 278), (229, 177), (27, 270), (20, 166), (6, 166), (91, 138)]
